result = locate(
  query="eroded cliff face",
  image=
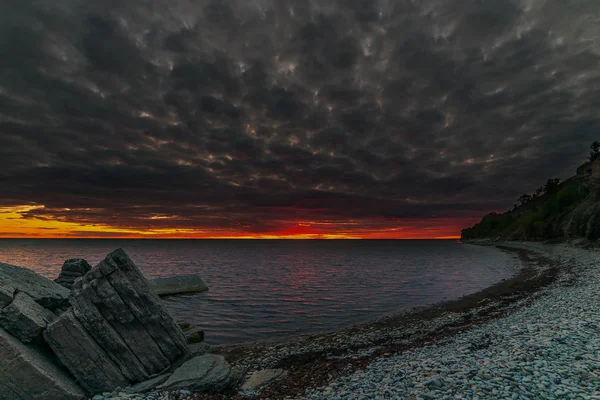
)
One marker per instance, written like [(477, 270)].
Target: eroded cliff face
[(584, 220)]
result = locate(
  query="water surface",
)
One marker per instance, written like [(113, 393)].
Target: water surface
[(261, 289)]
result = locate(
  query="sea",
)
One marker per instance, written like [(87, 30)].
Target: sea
[(274, 289)]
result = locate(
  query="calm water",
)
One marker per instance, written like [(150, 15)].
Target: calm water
[(265, 289)]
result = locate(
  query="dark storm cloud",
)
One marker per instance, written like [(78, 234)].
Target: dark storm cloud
[(209, 113)]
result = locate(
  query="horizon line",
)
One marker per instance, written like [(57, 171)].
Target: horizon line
[(217, 238)]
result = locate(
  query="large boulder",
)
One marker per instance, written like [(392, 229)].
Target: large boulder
[(24, 318), (80, 353), (45, 292), (27, 374), (206, 373), (118, 308), (178, 285), (72, 269)]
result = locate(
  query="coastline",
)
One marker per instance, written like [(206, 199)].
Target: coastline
[(316, 360), (351, 363)]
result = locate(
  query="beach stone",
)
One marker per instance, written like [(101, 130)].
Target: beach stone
[(194, 350), (194, 334), (207, 373), (261, 379), (24, 318), (28, 374), (117, 306), (148, 385), (45, 292), (178, 285), (82, 356), (72, 269)]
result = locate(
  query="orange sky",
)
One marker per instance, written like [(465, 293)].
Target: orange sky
[(15, 223)]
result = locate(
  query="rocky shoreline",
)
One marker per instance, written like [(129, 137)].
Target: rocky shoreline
[(502, 342), (318, 366)]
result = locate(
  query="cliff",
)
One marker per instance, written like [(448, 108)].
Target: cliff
[(567, 210)]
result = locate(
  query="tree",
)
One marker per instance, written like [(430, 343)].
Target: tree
[(595, 150), (524, 199), (551, 186)]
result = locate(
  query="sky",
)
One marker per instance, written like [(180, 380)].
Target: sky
[(288, 118)]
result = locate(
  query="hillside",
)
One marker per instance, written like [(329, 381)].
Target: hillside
[(558, 210)]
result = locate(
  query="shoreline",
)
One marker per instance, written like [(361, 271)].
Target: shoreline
[(317, 359)]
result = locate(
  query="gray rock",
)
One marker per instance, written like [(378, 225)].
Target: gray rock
[(116, 305), (26, 374), (194, 334), (178, 285), (261, 379), (207, 373), (45, 292), (85, 307), (72, 269), (148, 385), (80, 353), (144, 303), (24, 318), (194, 350), (7, 291)]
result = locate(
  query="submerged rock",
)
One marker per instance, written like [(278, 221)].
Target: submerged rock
[(194, 334), (24, 318), (178, 285), (72, 269), (27, 374), (45, 292), (207, 373)]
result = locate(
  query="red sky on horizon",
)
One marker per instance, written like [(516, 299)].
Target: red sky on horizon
[(16, 222)]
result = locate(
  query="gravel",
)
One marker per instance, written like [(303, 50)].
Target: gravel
[(548, 350)]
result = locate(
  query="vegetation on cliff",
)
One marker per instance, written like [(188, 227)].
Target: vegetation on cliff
[(555, 210)]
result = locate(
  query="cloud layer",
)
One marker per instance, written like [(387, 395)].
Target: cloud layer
[(252, 116)]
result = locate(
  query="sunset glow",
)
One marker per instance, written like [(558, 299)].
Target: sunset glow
[(16, 223)]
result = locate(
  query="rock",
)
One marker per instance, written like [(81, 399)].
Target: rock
[(72, 269), (27, 374), (261, 379), (7, 291), (116, 305), (194, 350), (148, 385), (24, 318), (207, 373), (80, 353), (178, 285), (194, 334), (45, 292), (184, 325)]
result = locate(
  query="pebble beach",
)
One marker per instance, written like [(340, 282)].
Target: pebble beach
[(547, 350)]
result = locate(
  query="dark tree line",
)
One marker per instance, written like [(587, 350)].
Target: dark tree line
[(552, 185)]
